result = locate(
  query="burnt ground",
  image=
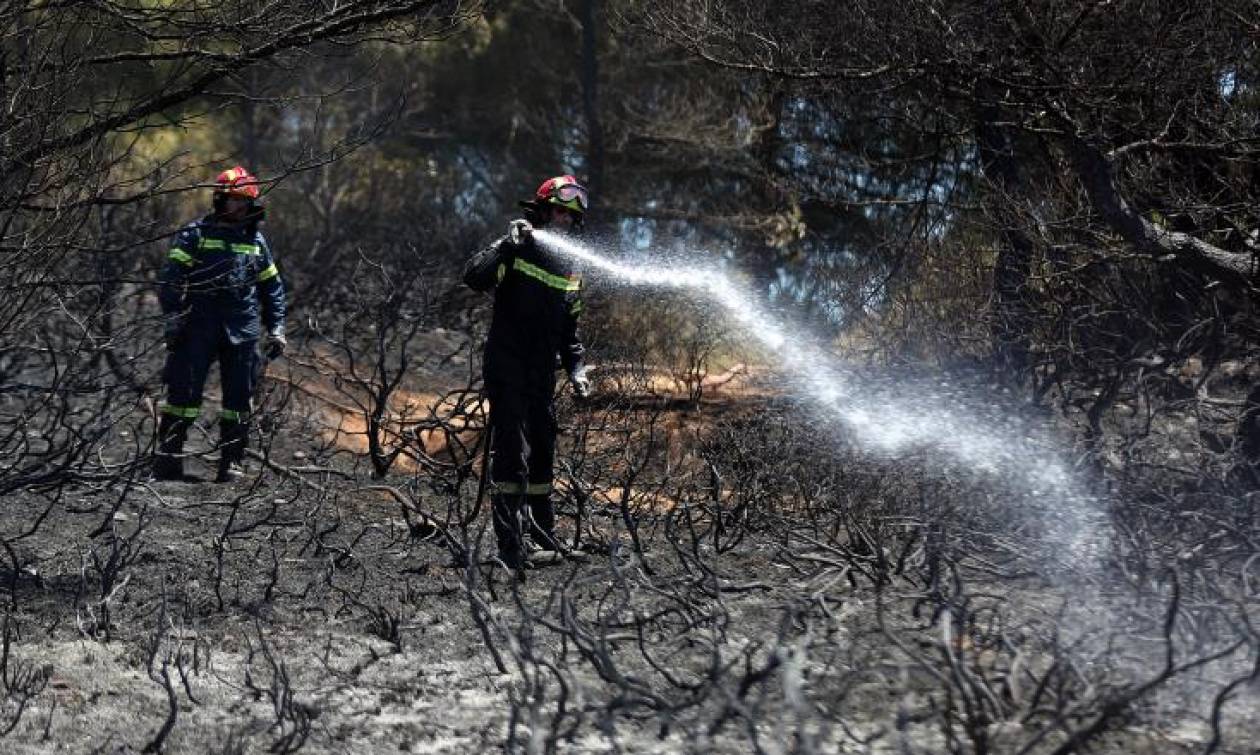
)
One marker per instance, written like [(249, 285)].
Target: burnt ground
[(767, 596)]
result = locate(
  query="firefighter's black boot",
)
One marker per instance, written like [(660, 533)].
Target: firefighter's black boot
[(542, 522), (508, 531), (168, 462), (233, 438)]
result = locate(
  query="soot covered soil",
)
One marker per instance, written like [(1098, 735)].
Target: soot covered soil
[(770, 603)]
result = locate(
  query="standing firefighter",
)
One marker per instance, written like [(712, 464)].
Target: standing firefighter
[(219, 288), (536, 306)]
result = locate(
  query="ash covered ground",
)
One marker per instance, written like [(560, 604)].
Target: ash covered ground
[(744, 582)]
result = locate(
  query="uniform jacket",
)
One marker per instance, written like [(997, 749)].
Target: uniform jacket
[(537, 300), (222, 276)]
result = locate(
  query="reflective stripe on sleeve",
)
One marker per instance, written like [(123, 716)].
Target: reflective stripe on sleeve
[(182, 257), (221, 245), (551, 279), (270, 272)]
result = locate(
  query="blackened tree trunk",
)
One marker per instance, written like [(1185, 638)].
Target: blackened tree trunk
[(767, 150), (1011, 331), (590, 97)]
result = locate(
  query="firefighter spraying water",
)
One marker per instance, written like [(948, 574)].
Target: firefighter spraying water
[(536, 306)]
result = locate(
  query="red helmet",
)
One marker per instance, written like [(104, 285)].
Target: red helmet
[(237, 182), (564, 191)]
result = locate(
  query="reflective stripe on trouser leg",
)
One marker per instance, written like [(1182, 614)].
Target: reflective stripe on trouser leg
[(520, 488), (183, 412)]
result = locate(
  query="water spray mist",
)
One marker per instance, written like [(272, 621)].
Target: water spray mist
[(881, 419)]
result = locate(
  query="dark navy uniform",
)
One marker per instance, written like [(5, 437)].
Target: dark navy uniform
[(219, 288)]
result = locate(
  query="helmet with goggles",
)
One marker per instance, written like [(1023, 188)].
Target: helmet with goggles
[(561, 191)]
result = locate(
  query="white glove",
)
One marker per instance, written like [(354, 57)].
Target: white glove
[(519, 231), (276, 343), (580, 382)]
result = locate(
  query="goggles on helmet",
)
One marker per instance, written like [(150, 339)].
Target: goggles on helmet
[(570, 193), (562, 191)]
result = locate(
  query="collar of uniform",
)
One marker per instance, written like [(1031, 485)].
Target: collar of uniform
[(236, 232)]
